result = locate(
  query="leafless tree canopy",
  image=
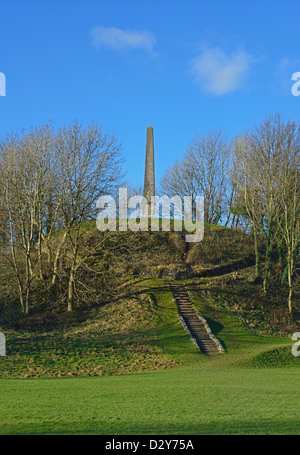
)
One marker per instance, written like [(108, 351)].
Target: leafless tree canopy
[(203, 172), (251, 183), (267, 175), (50, 181)]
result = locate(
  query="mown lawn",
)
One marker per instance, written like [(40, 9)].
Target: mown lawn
[(185, 400)]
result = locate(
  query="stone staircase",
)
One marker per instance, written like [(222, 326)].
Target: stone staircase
[(195, 325)]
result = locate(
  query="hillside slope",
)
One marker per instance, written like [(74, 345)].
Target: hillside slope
[(136, 327)]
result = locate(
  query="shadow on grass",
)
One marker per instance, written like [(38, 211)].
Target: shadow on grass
[(117, 426)]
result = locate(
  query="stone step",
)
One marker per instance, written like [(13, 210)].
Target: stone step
[(196, 327)]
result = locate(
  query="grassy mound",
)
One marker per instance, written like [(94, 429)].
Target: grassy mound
[(138, 332), (280, 357), (220, 247), (38, 357), (132, 325), (239, 294)]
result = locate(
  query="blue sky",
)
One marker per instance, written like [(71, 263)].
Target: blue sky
[(183, 67)]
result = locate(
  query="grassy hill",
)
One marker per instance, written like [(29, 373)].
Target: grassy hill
[(154, 380), (136, 327), (123, 364), (141, 331)]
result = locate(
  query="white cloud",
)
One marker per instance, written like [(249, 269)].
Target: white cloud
[(218, 73), (118, 39)]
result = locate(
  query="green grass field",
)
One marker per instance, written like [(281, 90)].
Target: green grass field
[(251, 389), (187, 400)]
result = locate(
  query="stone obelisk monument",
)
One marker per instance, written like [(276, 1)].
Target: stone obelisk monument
[(149, 185)]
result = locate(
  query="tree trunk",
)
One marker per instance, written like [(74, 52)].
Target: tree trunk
[(26, 308), (28, 277), (57, 256), (71, 290), (290, 299), (40, 257), (257, 259), (290, 280), (267, 270)]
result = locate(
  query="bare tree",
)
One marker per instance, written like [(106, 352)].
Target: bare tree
[(180, 180), (202, 171), (12, 210), (236, 216), (250, 202), (210, 154), (25, 184), (90, 167), (289, 217), (262, 156), (49, 184)]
